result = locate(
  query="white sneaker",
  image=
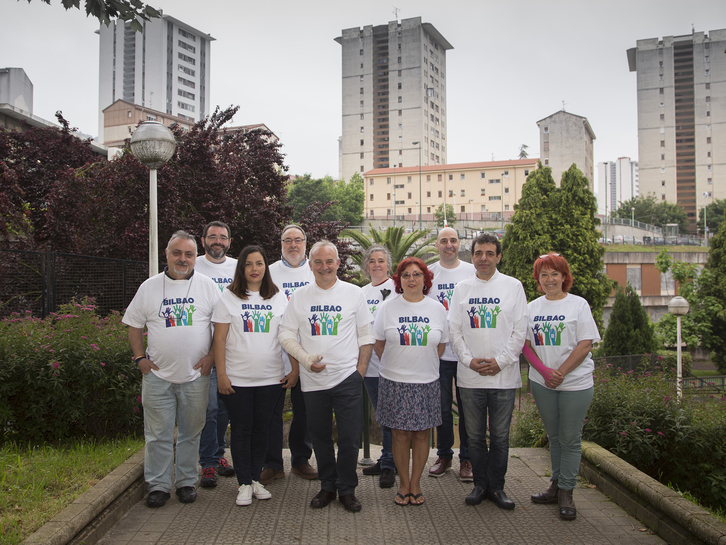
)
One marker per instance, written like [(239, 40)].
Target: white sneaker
[(244, 496), (260, 492)]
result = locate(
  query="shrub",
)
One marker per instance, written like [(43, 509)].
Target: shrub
[(68, 375), (630, 330), (527, 428)]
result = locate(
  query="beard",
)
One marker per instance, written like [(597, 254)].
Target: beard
[(215, 251)]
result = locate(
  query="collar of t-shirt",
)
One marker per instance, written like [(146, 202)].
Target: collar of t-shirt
[(284, 262), (496, 273), (166, 272)]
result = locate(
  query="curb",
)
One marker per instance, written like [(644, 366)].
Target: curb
[(674, 518), (95, 512)]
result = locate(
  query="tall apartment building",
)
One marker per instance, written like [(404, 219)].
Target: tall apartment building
[(166, 68), (681, 83), (617, 182), (394, 94), (564, 139)]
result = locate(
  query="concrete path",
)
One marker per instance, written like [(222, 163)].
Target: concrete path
[(288, 519)]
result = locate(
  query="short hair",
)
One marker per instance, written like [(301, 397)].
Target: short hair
[(323, 243), (216, 224), (557, 263), (181, 234), (373, 248), (403, 265), (487, 238), (239, 285), (293, 226)]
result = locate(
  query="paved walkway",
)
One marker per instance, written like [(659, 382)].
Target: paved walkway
[(288, 519)]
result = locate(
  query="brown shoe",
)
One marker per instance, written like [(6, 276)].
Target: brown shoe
[(322, 499), (350, 502), (306, 471), (440, 466), (548, 496), (268, 475), (465, 472)]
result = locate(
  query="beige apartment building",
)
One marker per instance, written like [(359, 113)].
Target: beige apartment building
[(121, 118), (477, 191)]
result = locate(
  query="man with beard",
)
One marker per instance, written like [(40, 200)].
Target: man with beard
[(215, 264), (176, 308)]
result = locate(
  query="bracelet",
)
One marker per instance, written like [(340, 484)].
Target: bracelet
[(137, 359)]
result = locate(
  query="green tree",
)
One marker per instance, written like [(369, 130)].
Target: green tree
[(450, 215), (629, 330), (648, 209), (346, 198), (715, 213), (713, 287), (350, 197), (400, 244), (105, 10), (523, 151)]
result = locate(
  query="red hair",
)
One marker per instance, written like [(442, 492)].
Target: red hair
[(557, 263), (403, 265)]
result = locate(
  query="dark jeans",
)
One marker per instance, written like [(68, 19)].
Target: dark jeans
[(346, 400), (298, 439), (386, 458), (489, 465), (212, 442), (250, 410), (445, 432)]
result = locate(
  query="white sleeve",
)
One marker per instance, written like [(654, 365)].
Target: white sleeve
[(365, 335), (513, 348), (456, 330), (288, 341)]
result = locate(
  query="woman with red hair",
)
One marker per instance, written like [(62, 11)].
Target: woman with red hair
[(411, 333), (561, 332)]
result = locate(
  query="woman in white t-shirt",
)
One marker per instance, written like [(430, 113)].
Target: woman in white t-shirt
[(250, 369), (411, 333), (561, 332)]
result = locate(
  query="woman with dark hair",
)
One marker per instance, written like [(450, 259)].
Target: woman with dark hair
[(249, 365), (561, 332), (411, 333)]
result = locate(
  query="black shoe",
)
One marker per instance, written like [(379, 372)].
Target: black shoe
[(388, 478), (157, 498), (186, 494), (322, 499), (375, 469), (209, 477), (224, 469), (476, 496), (351, 503), (501, 499)]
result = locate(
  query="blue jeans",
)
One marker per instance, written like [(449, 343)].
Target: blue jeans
[(346, 400), (164, 404), (489, 465), (445, 432), (250, 411), (212, 442), (386, 459), (298, 439), (563, 415)]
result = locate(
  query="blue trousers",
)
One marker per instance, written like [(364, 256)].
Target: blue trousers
[(212, 442), (445, 432)]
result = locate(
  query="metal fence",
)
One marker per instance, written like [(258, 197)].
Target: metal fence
[(41, 281)]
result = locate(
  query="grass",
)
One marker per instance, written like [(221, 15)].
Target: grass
[(716, 512), (37, 482), (698, 373)]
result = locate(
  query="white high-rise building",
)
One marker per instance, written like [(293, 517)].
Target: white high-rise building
[(166, 68), (394, 94), (617, 182)]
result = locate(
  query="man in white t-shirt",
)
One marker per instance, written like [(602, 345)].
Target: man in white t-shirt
[(176, 308), (448, 272), (327, 329), (216, 239), (289, 274), (488, 325)]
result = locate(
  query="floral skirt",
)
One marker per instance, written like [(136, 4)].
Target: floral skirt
[(408, 406)]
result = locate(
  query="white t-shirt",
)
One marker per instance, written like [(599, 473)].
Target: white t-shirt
[(374, 299), (412, 332), (442, 289), (554, 329), (252, 353), (327, 323), (221, 273), (488, 319), (177, 314)]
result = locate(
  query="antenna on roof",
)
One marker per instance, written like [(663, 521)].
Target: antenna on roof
[(693, 29), (395, 12), (563, 106)]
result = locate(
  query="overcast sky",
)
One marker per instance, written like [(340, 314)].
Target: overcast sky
[(513, 63)]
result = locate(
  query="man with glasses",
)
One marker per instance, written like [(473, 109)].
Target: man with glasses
[(216, 239), (176, 308), (289, 274)]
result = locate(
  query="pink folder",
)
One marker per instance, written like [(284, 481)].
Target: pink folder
[(535, 362)]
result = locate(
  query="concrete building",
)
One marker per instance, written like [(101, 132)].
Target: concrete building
[(121, 118), (166, 68), (477, 191), (564, 139), (681, 85), (394, 94), (617, 182)]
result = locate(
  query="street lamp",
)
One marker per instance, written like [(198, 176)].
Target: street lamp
[(471, 202), (420, 196), (502, 203), (705, 216), (153, 145), (632, 221), (678, 306)]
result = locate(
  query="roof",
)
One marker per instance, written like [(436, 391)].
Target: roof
[(456, 166), (588, 128)]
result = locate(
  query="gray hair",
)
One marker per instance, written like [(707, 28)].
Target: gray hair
[(292, 226), (373, 248), (323, 244), (181, 234)]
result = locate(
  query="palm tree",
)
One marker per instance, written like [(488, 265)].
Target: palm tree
[(400, 244)]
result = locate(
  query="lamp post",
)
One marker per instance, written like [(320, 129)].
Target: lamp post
[(678, 306), (632, 221), (471, 202), (420, 196), (501, 181), (153, 145), (394, 196), (705, 217)]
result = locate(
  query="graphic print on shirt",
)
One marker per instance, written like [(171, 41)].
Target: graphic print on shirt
[(256, 318), (483, 312), (324, 319), (290, 287), (176, 313), (548, 333), (416, 333), (445, 293), (222, 282)]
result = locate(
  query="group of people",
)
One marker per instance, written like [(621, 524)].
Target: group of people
[(413, 339)]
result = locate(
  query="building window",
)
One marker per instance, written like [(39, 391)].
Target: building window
[(662, 170), (709, 180), (409, 194), (371, 196), (483, 191), (662, 143), (546, 129), (708, 167), (708, 72), (463, 208), (388, 180), (708, 113), (661, 104), (409, 179), (708, 99), (506, 190), (187, 35), (428, 177), (660, 91), (708, 154), (451, 177), (483, 175), (400, 113), (400, 139), (185, 106), (370, 181), (388, 196), (186, 82), (495, 197), (361, 103), (440, 194), (400, 99), (440, 177), (506, 174), (662, 182), (495, 180), (361, 142), (186, 70), (428, 209), (362, 129), (462, 176), (708, 86), (188, 47), (708, 140), (361, 156), (361, 90), (463, 192), (506, 207), (547, 162), (662, 156), (361, 51), (662, 117), (428, 194), (526, 172), (662, 197), (187, 58)]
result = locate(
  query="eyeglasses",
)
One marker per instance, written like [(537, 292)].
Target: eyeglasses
[(289, 241), (215, 238), (416, 276), (549, 255)]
